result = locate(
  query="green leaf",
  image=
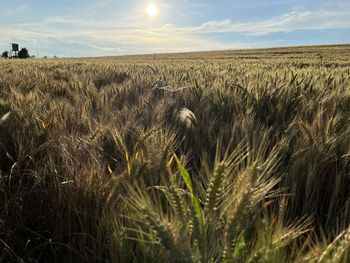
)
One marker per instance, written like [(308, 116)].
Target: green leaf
[(195, 202), (185, 175)]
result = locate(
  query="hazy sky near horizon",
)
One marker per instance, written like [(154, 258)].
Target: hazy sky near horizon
[(117, 27)]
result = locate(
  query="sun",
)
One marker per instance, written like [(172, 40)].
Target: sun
[(152, 10)]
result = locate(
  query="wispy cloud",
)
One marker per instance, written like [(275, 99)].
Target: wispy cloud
[(292, 21), (304, 20), (63, 35)]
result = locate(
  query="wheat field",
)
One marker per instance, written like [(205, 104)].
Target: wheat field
[(235, 156)]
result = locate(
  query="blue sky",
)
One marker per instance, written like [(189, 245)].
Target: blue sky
[(117, 27)]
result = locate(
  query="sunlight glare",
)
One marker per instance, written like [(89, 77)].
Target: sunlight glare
[(152, 10)]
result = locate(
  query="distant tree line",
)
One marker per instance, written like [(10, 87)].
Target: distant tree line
[(23, 53)]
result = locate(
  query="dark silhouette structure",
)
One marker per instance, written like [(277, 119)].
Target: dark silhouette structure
[(16, 52), (15, 49)]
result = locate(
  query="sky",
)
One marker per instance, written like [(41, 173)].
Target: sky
[(119, 27)]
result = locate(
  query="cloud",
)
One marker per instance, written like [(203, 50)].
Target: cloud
[(86, 37), (293, 21)]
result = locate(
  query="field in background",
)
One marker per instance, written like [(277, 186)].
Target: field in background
[(232, 156), (338, 53)]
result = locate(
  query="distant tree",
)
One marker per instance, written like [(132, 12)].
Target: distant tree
[(5, 54), (23, 53)]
